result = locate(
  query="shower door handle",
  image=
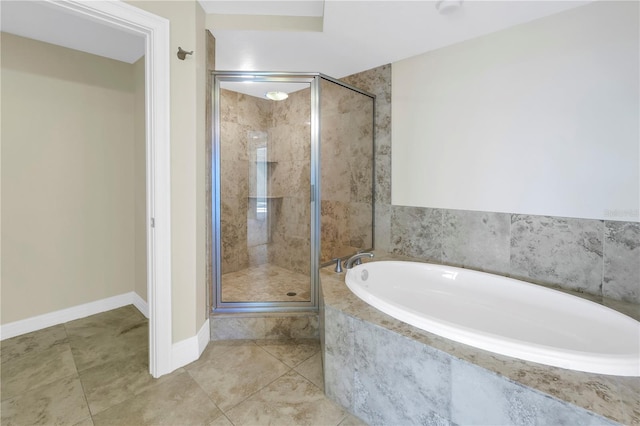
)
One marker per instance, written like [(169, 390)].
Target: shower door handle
[(313, 193)]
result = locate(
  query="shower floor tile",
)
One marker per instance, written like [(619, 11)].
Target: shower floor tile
[(265, 283)]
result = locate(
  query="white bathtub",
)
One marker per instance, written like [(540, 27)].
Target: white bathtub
[(502, 315)]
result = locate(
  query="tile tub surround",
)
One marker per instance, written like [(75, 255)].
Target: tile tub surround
[(388, 372), (596, 257)]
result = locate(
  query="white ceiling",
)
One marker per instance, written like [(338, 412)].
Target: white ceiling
[(264, 7), (362, 34), (357, 35), (40, 21)]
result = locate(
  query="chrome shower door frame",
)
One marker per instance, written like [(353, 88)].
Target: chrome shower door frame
[(313, 79), (217, 304)]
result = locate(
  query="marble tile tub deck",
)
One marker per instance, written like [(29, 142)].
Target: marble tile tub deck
[(462, 384), (94, 371)]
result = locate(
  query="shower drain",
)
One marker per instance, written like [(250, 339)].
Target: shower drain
[(292, 293)]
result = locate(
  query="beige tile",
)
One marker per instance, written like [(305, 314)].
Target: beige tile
[(292, 327), (98, 348), (265, 283), (29, 343), (225, 328), (114, 382), (221, 421), (290, 400), (215, 349), (116, 321), (85, 422), (36, 369), (291, 351), (311, 369), (236, 373), (179, 401), (59, 403)]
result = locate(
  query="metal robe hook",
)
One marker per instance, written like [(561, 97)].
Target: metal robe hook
[(183, 53)]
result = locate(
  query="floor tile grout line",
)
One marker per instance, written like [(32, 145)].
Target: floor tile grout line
[(305, 378), (86, 399), (308, 379), (307, 359), (298, 364), (75, 364), (208, 396), (289, 370), (77, 374), (258, 390)]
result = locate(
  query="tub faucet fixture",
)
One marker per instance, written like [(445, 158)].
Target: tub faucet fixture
[(353, 259), (338, 265)]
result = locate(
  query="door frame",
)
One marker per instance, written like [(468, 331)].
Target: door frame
[(155, 30), (312, 79)]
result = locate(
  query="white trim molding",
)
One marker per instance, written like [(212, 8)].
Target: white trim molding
[(141, 305), (61, 316), (155, 30), (188, 350)]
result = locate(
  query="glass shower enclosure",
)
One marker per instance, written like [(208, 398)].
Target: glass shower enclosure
[(292, 185)]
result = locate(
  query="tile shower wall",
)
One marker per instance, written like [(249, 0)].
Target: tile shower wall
[(241, 117), (598, 257), (378, 82), (346, 171), (290, 154), (282, 236)]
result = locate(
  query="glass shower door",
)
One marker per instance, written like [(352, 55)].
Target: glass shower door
[(265, 208), (346, 171)]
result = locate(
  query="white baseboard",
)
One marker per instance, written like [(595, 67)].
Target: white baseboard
[(204, 337), (39, 322), (188, 350), (141, 304)]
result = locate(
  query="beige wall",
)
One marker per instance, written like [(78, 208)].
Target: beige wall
[(67, 178), (187, 94)]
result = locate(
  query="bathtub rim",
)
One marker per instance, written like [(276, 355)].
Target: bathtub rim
[(580, 389), (614, 365)]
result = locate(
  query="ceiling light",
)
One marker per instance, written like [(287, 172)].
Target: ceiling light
[(447, 7), (276, 96)]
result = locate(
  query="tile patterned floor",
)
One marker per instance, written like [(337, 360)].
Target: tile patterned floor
[(265, 283), (94, 371)]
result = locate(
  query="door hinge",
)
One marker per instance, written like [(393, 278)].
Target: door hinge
[(153, 222)]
